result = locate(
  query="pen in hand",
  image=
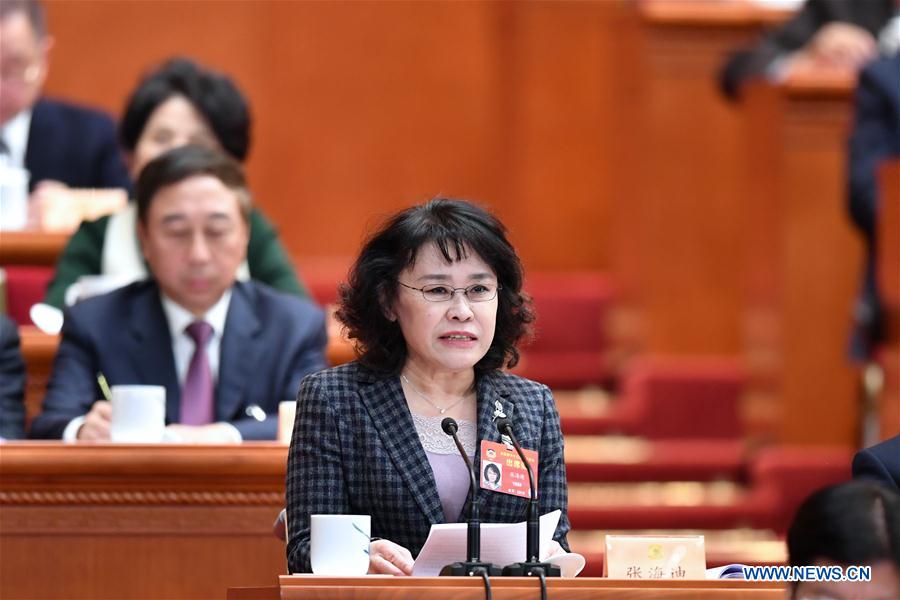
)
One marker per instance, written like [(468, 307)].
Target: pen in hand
[(104, 387)]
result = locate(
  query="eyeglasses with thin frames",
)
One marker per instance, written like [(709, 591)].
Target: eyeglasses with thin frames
[(438, 292)]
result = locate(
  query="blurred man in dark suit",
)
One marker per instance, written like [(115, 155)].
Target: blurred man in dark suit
[(823, 32), (880, 462), (12, 382), (226, 351), (55, 141), (875, 137)]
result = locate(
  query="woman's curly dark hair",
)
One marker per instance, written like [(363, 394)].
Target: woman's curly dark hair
[(455, 227)]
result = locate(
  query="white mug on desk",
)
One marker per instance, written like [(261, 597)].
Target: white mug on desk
[(339, 544), (287, 412), (13, 198), (138, 413)]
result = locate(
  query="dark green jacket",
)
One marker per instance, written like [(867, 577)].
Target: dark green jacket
[(83, 254)]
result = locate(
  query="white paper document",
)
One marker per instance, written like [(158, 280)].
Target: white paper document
[(501, 544), (733, 571)]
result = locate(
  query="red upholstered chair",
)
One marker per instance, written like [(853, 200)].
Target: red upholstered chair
[(783, 476), (322, 290), (571, 342), (678, 398), (322, 278), (25, 286)]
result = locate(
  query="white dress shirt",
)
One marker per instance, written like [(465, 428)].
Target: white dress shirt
[(183, 344), (15, 135), (889, 37)]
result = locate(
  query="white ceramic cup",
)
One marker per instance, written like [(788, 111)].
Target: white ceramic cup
[(138, 413), (13, 198), (287, 410), (339, 544)]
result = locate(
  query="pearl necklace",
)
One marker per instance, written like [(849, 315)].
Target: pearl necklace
[(426, 398)]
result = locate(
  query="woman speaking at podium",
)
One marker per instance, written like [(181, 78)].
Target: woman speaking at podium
[(434, 304)]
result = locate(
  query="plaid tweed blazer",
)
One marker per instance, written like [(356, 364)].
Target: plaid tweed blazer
[(355, 450)]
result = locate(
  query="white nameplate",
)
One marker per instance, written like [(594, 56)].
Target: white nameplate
[(655, 557)]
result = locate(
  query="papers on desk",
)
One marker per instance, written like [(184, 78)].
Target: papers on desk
[(48, 319), (89, 286), (732, 571), (501, 544)]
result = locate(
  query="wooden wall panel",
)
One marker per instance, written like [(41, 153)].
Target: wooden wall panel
[(374, 108), (822, 266), (682, 219), (506, 588), (565, 92), (804, 258), (889, 285), (362, 108)]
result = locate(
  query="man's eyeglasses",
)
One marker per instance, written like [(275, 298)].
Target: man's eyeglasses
[(438, 292)]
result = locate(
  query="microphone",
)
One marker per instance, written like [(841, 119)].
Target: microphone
[(473, 565), (532, 567)]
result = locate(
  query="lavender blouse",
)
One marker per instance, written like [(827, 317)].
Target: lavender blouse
[(450, 473)]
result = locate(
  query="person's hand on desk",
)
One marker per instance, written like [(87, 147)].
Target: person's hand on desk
[(836, 45), (54, 206), (214, 433), (555, 549), (96, 423), (388, 558)]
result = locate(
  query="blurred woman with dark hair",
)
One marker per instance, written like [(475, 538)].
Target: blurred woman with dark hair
[(178, 103), (435, 305)]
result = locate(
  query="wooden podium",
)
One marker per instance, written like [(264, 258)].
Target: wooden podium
[(503, 588)]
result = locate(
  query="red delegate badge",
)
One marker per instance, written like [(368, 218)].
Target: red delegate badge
[(503, 471)]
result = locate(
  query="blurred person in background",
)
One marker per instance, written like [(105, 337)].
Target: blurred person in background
[(830, 33), (849, 524), (874, 138), (226, 351), (880, 463), (178, 103), (60, 144), (12, 382)]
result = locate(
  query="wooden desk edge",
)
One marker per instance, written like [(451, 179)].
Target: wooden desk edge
[(829, 84), (21, 460), (710, 14), (313, 581), (382, 585), (35, 248)]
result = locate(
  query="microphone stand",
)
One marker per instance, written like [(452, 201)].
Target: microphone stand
[(532, 566), (473, 566)]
